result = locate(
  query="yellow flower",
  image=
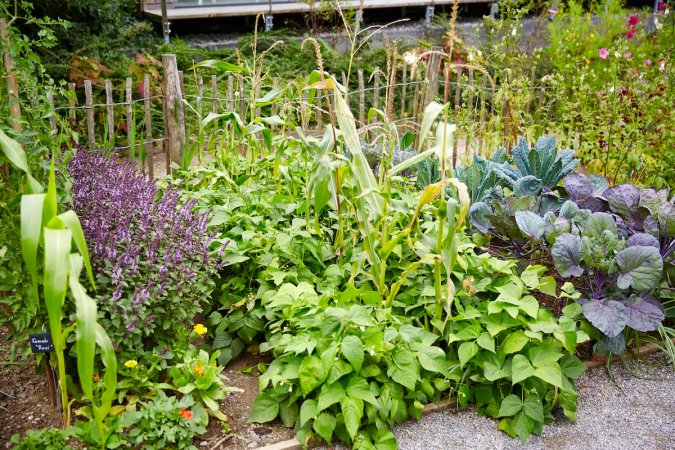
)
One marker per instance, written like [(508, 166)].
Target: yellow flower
[(131, 363), (198, 370), (199, 329)]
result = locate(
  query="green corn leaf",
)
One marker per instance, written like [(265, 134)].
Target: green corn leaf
[(273, 96), (220, 66), (360, 168), (431, 113), (70, 220), (57, 249), (110, 378), (410, 162), (14, 152), (51, 203), (31, 229), (85, 322)]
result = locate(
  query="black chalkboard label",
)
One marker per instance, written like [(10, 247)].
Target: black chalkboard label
[(41, 342)]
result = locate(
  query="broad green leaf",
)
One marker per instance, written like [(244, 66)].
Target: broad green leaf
[(514, 342), (358, 388), (511, 405), (530, 224), (404, 369), (572, 366), (308, 410), (522, 426), (324, 426), (529, 305), (521, 369), (264, 409), (640, 267), (329, 395), (467, 351), (14, 152), (352, 348), (289, 413), (352, 412), (410, 162), (486, 341), (433, 359), (550, 373), (311, 373), (533, 408)]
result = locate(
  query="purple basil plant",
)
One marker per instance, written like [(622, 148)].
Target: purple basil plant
[(153, 256)]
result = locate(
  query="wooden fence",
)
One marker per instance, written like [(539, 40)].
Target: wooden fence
[(479, 107)]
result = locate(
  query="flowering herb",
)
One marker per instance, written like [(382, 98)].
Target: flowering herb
[(152, 254), (186, 414), (603, 53), (200, 329)]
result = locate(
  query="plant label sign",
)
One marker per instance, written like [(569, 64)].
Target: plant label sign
[(41, 342)]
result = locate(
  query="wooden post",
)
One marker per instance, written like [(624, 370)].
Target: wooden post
[(12, 86), (433, 70), (110, 113), (214, 94), (200, 95), (376, 88), (131, 139), (362, 99), (242, 100), (404, 79), (149, 145), (458, 103), (173, 110), (89, 103), (71, 101), (52, 119)]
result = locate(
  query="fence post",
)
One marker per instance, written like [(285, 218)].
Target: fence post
[(433, 70), (110, 116), (131, 130), (404, 80), (173, 110), (89, 103), (12, 86), (149, 145)]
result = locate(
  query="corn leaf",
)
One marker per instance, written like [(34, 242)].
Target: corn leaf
[(31, 229), (70, 220), (85, 327), (431, 113), (57, 249), (51, 202), (220, 66)]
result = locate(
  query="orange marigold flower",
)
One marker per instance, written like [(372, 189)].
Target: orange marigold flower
[(97, 377), (198, 369), (186, 414)]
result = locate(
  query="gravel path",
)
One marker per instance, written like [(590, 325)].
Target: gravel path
[(635, 413)]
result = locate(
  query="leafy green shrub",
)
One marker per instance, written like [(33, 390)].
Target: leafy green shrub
[(161, 423), (44, 439)]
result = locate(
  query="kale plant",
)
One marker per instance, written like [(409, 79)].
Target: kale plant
[(152, 254)]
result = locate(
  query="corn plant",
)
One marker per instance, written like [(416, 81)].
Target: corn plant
[(42, 227)]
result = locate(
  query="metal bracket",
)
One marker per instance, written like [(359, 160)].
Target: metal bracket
[(429, 15)]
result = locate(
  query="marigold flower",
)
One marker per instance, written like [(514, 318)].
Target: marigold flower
[(199, 329), (131, 364), (198, 370), (185, 414), (633, 20), (97, 378), (603, 53)]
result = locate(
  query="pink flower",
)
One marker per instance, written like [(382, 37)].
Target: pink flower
[(648, 62), (553, 11), (603, 53), (628, 55), (662, 6), (633, 20), (630, 33)]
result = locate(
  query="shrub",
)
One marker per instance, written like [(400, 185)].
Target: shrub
[(151, 253)]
